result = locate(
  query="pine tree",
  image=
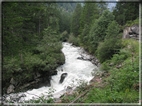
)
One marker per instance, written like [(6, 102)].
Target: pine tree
[(112, 30), (75, 24), (98, 30), (88, 14), (31, 41), (111, 44), (124, 12)]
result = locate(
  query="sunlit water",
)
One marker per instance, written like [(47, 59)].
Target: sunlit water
[(78, 71)]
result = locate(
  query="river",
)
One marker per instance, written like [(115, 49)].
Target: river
[(77, 70)]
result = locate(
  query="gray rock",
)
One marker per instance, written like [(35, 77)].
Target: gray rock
[(119, 66), (10, 89), (13, 82), (69, 89), (81, 58), (63, 76), (131, 32), (111, 64), (16, 97), (135, 29), (126, 32), (57, 100)]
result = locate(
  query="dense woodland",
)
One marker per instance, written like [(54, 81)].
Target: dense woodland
[(32, 41)]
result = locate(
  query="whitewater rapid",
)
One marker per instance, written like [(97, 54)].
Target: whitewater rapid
[(78, 70)]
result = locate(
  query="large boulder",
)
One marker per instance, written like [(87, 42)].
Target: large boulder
[(131, 32), (126, 32), (10, 89), (63, 76), (135, 29)]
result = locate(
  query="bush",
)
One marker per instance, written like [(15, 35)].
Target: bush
[(121, 82), (111, 44), (106, 96), (64, 36), (73, 39), (98, 30), (130, 23), (106, 49)]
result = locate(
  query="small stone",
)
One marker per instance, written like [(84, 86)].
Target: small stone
[(119, 66), (111, 64), (57, 100)]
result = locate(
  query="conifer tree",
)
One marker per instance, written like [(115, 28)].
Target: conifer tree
[(111, 44), (75, 24), (98, 30), (126, 11)]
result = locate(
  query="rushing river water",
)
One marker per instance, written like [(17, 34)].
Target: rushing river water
[(78, 70)]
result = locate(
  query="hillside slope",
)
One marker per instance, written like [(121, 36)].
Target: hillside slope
[(118, 82)]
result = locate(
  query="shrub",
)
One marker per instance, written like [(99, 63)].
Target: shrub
[(111, 44), (130, 23), (64, 36), (73, 39), (106, 49)]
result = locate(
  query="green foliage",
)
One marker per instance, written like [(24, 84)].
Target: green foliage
[(107, 49), (99, 95), (102, 6), (70, 7), (64, 36), (129, 70), (112, 30), (89, 12), (98, 30), (50, 50), (111, 44), (31, 41), (73, 39), (132, 22), (68, 99), (20, 25), (23, 24), (47, 56), (131, 46), (75, 24), (121, 82), (124, 12), (82, 23), (64, 21), (83, 37), (20, 69)]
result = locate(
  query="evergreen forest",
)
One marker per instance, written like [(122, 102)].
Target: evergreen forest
[(32, 36)]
